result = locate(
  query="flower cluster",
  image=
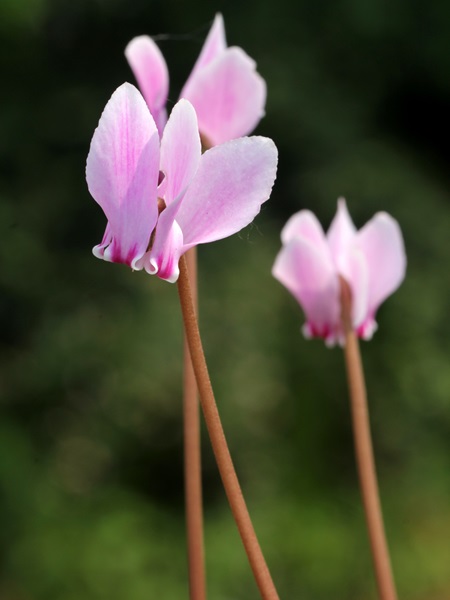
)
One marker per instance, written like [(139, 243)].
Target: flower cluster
[(160, 194)]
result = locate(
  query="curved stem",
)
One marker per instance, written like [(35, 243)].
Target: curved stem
[(364, 453), (192, 459), (219, 444)]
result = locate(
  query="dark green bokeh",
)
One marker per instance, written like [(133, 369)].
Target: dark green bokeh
[(90, 432)]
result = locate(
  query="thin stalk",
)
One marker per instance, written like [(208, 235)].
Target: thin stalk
[(192, 460), (219, 444), (364, 453)]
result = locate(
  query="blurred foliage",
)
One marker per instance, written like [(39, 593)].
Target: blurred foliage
[(91, 499)]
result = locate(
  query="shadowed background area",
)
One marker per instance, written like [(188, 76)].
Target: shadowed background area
[(91, 501)]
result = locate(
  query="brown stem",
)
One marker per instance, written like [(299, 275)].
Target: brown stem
[(192, 459), (219, 444), (364, 453)]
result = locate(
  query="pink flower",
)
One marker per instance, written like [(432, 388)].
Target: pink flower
[(161, 199), (371, 260), (226, 91)]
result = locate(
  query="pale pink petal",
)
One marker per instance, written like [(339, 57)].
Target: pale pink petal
[(163, 258), (312, 280), (341, 233), (122, 173), (306, 225), (354, 270), (214, 45), (228, 96), (180, 150), (99, 250), (226, 194), (166, 246), (381, 242), (180, 157), (150, 70)]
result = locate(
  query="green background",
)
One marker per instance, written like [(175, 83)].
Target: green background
[(91, 499)]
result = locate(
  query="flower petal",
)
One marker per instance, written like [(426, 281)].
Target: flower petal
[(214, 45), (180, 150), (381, 242), (355, 272), (226, 194), (341, 233), (305, 224), (122, 173), (150, 69), (228, 96), (312, 280), (99, 250), (163, 258)]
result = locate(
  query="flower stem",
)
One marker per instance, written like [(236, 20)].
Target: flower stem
[(192, 459), (219, 444), (364, 453)]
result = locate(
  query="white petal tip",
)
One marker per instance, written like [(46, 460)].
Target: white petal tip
[(151, 267), (174, 277), (98, 251), (137, 264), (306, 331), (342, 205)]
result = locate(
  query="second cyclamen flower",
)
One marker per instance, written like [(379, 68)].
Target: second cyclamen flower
[(227, 92), (372, 261), (203, 198)]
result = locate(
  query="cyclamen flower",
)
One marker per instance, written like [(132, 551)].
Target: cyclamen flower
[(162, 199), (226, 91), (371, 260)]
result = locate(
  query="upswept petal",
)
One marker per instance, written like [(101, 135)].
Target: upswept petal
[(150, 69), (341, 233), (306, 225), (214, 45), (312, 280), (180, 150), (99, 250), (381, 242), (355, 272), (226, 194), (180, 157), (228, 96), (163, 258), (166, 246), (122, 173)]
